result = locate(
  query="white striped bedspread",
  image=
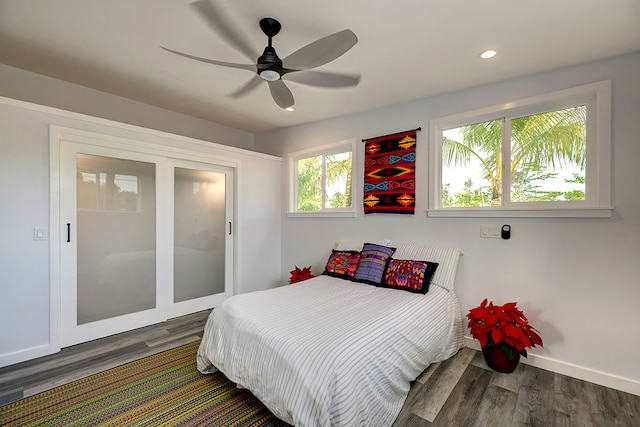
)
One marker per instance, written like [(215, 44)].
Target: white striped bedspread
[(330, 352)]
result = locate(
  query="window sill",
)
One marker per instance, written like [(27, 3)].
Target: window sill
[(520, 213), (322, 214)]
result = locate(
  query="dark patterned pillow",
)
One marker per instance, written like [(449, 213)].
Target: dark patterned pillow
[(412, 276), (342, 264), (373, 261)]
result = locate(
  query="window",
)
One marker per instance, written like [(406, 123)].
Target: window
[(543, 156), (322, 181)]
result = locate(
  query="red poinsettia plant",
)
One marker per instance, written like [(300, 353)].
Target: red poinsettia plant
[(503, 326), (300, 274)]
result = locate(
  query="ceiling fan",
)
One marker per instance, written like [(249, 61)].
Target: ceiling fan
[(268, 66)]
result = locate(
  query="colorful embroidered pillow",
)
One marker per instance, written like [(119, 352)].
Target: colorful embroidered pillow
[(447, 258), (373, 261), (342, 264), (412, 276)]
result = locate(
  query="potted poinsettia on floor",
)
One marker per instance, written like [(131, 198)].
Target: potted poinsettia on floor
[(504, 334)]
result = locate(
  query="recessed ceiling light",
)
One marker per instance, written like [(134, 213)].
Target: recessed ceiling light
[(488, 54), (289, 109)]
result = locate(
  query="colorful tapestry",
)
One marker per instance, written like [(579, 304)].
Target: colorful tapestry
[(389, 173)]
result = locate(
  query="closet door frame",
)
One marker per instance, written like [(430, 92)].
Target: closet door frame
[(60, 135)]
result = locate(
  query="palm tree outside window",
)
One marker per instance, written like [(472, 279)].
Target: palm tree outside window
[(324, 181), (547, 160), (548, 155)]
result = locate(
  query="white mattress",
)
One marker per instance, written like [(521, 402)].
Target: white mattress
[(329, 352)]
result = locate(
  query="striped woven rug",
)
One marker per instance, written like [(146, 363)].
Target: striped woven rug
[(160, 390)]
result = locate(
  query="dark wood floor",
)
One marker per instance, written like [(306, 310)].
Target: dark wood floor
[(461, 391)]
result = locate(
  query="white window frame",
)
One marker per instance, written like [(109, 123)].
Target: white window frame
[(597, 204), (326, 150)]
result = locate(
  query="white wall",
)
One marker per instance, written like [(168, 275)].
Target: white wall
[(38, 89), (25, 201), (576, 279)]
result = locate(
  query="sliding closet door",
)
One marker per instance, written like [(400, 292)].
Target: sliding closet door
[(202, 235), (145, 237), (109, 250), (115, 237)]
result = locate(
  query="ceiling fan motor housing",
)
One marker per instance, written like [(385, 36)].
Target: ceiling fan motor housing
[(269, 60)]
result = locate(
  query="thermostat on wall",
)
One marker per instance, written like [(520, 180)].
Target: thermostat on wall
[(506, 231)]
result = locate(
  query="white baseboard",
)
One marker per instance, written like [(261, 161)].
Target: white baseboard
[(626, 385), (27, 354)]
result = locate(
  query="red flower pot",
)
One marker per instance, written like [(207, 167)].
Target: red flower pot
[(497, 359)]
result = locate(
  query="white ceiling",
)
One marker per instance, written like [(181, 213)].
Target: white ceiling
[(407, 49)]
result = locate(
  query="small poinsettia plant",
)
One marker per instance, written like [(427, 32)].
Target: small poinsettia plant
[(503, 326), (300, 274)]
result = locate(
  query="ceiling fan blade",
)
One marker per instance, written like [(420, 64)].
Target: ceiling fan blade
[(323, 79), (321, 51), (249, 67), (247, 87), (281, 94), (220, 22)]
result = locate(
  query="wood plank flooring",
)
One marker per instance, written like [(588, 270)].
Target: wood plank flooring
[(461, 391), (72, 363), (464, 391)]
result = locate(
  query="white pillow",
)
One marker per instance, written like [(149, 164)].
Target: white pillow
[(447, 258), (354, 245)]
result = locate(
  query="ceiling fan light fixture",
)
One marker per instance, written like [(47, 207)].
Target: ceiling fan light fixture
[(269, 75)]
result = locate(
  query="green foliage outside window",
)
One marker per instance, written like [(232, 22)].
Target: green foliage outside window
[(324, 181), (548, 154)]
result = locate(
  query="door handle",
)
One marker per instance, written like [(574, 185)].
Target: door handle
[(229, 228), (68, 232)]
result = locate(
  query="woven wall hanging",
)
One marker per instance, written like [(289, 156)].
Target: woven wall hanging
[(389, 173)]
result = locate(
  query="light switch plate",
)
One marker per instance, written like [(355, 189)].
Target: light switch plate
[(490, 231), (38, 234)]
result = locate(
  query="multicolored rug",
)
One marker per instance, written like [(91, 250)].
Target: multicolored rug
[(160, 390)]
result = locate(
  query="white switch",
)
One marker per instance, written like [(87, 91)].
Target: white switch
[(490, 231), (38, 234)]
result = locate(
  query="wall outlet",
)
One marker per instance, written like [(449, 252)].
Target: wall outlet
[(490, 231)]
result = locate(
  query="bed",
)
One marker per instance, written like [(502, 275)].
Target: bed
[(335, 352)]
